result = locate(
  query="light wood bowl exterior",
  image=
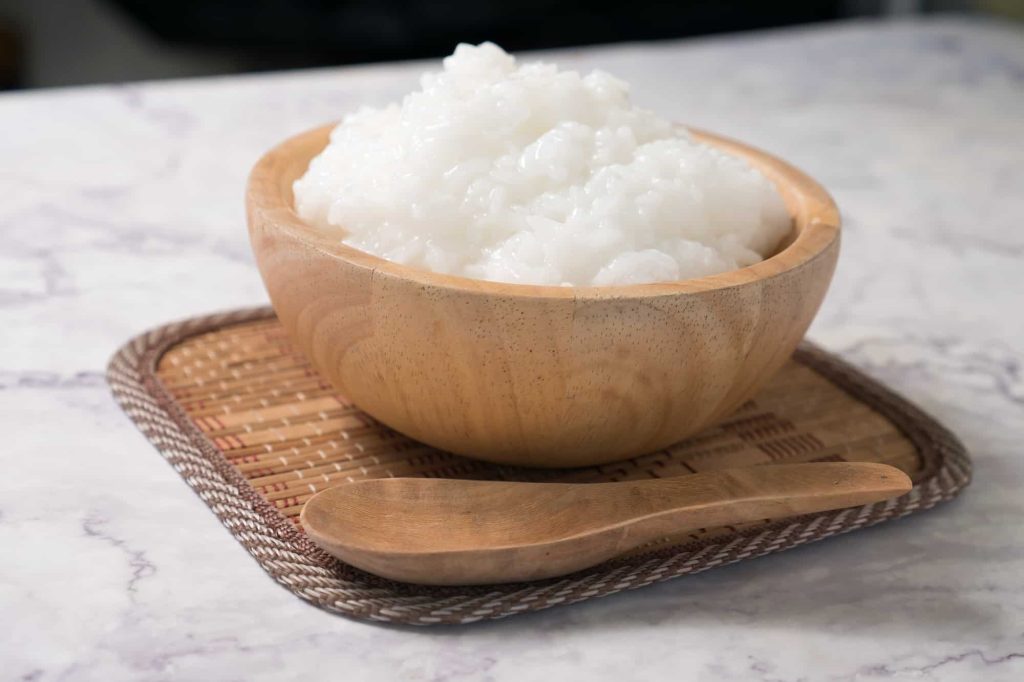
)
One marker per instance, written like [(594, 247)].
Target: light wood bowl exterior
[(535, 375)]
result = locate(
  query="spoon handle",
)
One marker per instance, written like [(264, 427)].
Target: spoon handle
[(731, 496)]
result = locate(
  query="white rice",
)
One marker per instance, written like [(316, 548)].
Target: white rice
[(533, 175)]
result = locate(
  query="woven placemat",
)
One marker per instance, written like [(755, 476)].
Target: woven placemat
[(253, 429)]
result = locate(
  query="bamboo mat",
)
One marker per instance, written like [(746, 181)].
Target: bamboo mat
[(256, 432)]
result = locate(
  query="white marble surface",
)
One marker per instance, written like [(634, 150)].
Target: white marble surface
[(122, 209)]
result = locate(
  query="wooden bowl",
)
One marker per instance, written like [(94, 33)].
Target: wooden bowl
[(538, 375)]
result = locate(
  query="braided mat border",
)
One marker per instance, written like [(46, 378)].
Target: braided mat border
[(297, 564)]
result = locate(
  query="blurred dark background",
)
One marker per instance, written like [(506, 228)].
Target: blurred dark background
[(66, 42)]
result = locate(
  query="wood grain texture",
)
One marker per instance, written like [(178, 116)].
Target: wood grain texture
[(534, 375), (452, 532)]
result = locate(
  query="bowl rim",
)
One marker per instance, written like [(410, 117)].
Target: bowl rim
[(814, 214)]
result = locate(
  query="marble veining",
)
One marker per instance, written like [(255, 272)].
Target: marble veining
[(123, 209)]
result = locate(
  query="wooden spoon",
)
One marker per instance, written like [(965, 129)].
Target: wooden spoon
[(458, 532)]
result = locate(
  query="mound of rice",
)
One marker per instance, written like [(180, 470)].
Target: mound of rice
[(532, 175)]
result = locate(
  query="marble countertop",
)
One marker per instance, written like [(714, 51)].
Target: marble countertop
[(122, 209)]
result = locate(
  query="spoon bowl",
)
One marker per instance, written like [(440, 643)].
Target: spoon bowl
[(462, 532)]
